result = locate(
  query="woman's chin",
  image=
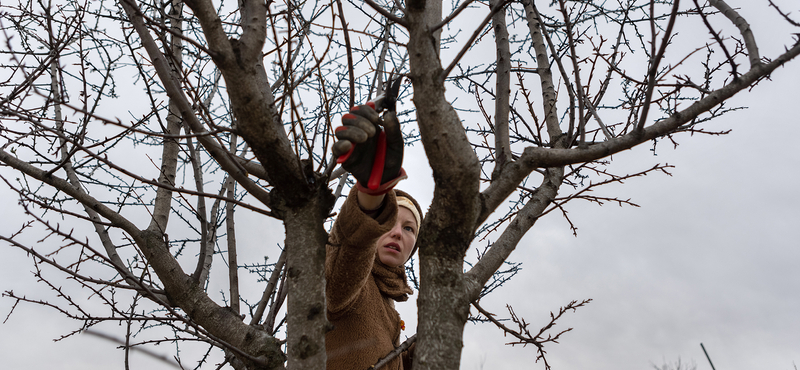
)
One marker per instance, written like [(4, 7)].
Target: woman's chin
[(389, 260)]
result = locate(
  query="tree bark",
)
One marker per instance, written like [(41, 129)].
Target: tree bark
[(443, 307), (307, 320)]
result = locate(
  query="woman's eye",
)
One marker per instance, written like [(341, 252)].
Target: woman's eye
[(409, 229)]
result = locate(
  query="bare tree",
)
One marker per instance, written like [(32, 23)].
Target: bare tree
[(677, 365), (133, 130)]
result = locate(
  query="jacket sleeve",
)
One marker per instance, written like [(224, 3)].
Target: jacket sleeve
[(351, 249)]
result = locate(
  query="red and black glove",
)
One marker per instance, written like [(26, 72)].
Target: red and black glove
[(371, 148)]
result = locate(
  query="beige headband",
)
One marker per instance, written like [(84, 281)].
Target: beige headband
[(405, 202)]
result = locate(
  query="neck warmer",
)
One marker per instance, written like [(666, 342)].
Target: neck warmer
[(391, 281)]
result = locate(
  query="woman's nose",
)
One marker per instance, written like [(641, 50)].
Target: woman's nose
[(396, 231)]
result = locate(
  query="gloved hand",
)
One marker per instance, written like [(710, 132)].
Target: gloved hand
[(371, 148)]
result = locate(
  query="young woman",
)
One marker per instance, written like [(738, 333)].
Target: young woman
[(372, 238)]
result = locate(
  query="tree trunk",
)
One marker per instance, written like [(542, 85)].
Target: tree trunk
[(307, 320), (443, 307)]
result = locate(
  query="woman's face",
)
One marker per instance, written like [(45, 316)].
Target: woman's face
[(395, 246)]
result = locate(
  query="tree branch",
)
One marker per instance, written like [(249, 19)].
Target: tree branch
[(539, 157), (717, 37), (453, 15), (386, 13), (277, 271), (545, 157), (102, 233), (497, 254), (503, 184), (503, 87), (258, 120), (524, 335), (499, 5), (394, 353), (349, 51), (223, 157), (578, 90), (233, 264), (744, 29), (655, 61)]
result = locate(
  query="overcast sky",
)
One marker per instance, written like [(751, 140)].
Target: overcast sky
[(712, 256)]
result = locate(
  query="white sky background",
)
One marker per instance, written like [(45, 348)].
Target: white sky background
[(712, 256)]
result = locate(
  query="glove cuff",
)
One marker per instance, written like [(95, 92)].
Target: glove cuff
[(383, 188)]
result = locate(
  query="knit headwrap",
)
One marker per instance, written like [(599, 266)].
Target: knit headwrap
[(407, 204)]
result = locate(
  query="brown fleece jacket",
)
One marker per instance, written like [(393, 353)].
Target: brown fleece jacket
[(361, 291)]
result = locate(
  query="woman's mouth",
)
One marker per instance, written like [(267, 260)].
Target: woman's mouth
[(392, 246)]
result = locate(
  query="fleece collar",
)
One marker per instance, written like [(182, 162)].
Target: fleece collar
[(391, 281)]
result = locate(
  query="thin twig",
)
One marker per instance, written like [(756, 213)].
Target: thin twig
[(655, 62), (718, 39), (143, 351), (349, 52), (471, 41), (452, 15), (395, 352), (277, 270), (386, 13)]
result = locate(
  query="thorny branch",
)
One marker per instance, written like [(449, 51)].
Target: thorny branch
[(655, 60), (523, 333), (784, 15)]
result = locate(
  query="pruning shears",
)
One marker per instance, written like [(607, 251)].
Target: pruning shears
[(388, 99), (385, 102)]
